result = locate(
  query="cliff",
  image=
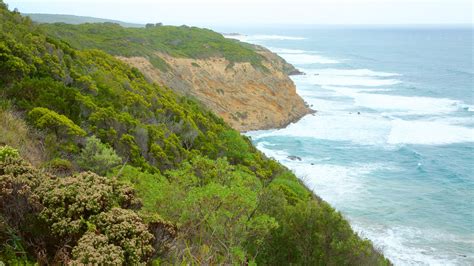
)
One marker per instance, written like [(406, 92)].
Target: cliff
[(247, 85), (246, 97)]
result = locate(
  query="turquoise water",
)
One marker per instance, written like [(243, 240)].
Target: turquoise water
[(391, 145)]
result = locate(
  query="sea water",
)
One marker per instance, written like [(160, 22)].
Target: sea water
[(391, 144)]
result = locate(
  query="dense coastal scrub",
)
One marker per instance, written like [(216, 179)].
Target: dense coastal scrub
[(246, 85), (183, 41), (108, 168)]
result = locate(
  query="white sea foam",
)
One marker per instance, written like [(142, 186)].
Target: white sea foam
[(374, 129), (345, 187), (362, 129), (275, 37), (467, 107), (400, 105), (358, 77), (279, 155), (336, 184), (405, 105), (353, 72), (304, 59), (399, 244), (392, 121), (288, 51), (261, 37), (428, 133)]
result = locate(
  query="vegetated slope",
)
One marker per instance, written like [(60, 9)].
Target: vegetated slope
[(72, 19), (246, 85), (129, 172)]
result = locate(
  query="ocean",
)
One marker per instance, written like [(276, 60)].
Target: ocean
[(391, 145)]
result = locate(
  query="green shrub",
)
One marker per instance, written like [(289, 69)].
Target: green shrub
[(8, 152), (124, 228), (119, 237), (191, 42), (147, 186), (95, 249), (71, 200), (49, 120), (97, 156), (59, 166), (292, 188)]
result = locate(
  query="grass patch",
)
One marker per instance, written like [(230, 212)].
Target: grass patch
[(15, 133)]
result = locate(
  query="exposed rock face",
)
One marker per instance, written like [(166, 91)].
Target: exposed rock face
[(246, 97)]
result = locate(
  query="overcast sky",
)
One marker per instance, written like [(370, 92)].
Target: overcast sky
[(261, 12)]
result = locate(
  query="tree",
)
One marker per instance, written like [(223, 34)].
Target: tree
[(97, 156), (46, 119)]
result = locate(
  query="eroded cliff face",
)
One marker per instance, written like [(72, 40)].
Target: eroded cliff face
[(246, 97)]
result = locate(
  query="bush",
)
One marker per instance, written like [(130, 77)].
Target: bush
[(18, 180), (117, 237), (214, 203), (95, 249), (46, 119), (59, 166), (97, 156), (8, 152), (69, 201), (53, 214), (124, 228)]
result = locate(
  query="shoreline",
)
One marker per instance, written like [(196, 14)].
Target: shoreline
[(338, 170), (285, 124)]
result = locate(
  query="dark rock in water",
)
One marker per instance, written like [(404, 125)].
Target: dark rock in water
[(294, 158), (312, 163), (296, 72), (358, 113)]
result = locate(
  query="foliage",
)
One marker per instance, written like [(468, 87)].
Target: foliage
[(184, 41), (311, 233), (72, 19), (202, 194), (84, 210), (68, 201), (15, 133), (97, 157), (8, 152), (17, 182), (59, 166), (148, 186), (46, 119), (119, 237), (212, 202), (95, 249), (124, 228)]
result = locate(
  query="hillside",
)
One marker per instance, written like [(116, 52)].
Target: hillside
[(246, 85), (72, 19), (100, 166)]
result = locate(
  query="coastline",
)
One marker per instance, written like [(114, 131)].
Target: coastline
[(373, 146), (248, 98), (285, 124)]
